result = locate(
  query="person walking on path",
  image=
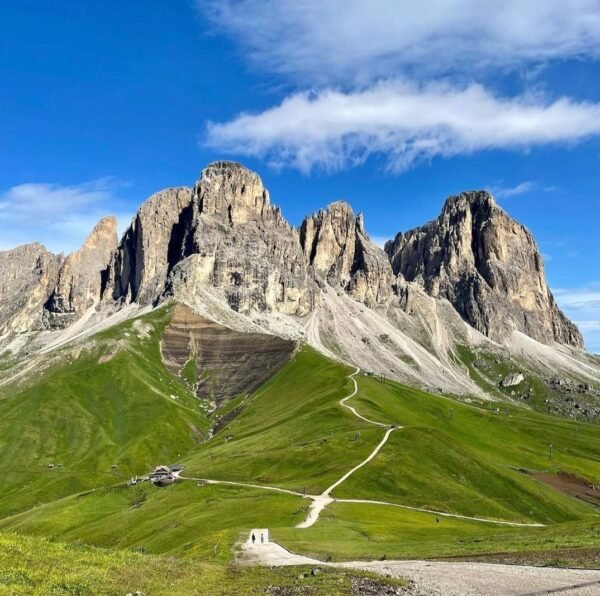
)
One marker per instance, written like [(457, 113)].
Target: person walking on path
[(253, 538), (262, 538)]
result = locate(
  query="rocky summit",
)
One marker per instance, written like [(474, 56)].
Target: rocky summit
[(488, 266), (472, 277)]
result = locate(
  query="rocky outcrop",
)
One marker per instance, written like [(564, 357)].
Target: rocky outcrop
[(221, 246), (229, 190), (150, 247), (220, 363), (28, 275), (223, 233), (336, 246), (82, 276), (512, 380), (488, 266)]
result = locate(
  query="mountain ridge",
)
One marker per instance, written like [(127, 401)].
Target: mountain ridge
[(222, 248)]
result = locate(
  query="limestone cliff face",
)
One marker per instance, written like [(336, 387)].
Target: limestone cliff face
[(222, 233), (82, 276), (28, 275), (222, 241), (488, 266), (336, 246), (142, 261), (228, 189), (243, 246)]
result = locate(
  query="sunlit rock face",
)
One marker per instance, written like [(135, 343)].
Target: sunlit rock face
[(82, 275), (222, 240), (488, 266), (28, 276), (336, 246)]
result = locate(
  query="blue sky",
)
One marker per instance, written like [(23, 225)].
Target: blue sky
[(390, 105)]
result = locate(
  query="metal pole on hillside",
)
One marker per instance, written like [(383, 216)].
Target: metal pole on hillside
[(550, 446)]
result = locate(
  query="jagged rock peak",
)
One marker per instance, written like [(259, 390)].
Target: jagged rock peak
[(230, 190), (156, 239), (336, 246), (103, 235), (488, 266), (481, 198), (82, 275), (28, 276)]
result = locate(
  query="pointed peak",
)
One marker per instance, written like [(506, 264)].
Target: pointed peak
[(227, 170), (472, 198), (103, 235), (232, 191), (340, 206)]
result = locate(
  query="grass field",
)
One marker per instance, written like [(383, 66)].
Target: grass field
[(352, 531), (39, 566), (466, 459), (183, 519), (292, 433), (92, 413)]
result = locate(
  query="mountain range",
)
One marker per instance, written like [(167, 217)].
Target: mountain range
[(449, 307)]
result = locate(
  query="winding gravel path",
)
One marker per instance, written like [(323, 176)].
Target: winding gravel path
[(319, 502), (445, 578)]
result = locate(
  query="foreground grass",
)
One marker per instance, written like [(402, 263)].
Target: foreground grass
[(182, 519), (40, 566)]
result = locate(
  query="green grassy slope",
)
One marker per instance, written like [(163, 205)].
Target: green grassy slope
[(40, 567), (465, 459), (92, 411), (351, 531), (183, 519), (292, 432)]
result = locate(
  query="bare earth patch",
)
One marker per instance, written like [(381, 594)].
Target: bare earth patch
[(571, 485)]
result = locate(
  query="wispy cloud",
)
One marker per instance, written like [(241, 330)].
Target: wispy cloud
[(409, 123), (502, 192), (370, 74), (59, 216), (359, 41), (582, 306)]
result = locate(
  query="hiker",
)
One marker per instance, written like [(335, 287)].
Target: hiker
[(437, 520), (262, 538), (253, 538)]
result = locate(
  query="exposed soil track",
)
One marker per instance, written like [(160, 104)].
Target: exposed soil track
[(227, 362)]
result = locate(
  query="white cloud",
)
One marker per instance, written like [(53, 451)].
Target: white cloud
[(409, 123), (582, 306), (56, 215), (362, 40), (501, 192)]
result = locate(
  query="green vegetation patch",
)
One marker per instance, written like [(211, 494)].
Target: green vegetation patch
[(40, 566), (352, 531), (103, 416), (291, 433)]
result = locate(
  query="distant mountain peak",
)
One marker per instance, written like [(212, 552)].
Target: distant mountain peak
[(488, 266)]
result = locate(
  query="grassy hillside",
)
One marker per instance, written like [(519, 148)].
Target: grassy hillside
[(466, 459), (357, 531), (40, 567), (104, 411), (182, 520), (292, 432), (470, 459)]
